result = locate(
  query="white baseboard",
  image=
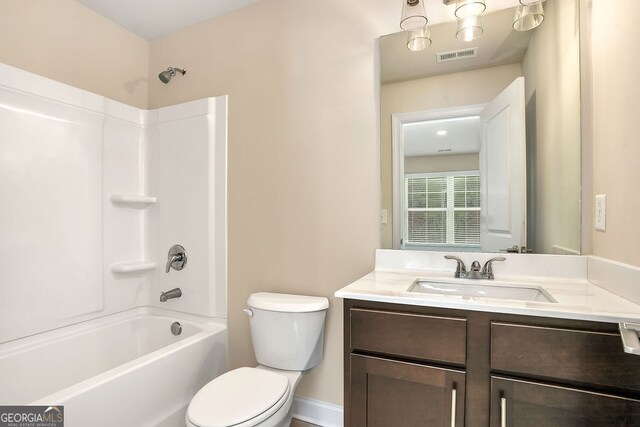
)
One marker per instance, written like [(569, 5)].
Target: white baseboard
[(317, 412)]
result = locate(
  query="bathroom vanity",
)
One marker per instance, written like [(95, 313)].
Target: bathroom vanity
[(452, 360)]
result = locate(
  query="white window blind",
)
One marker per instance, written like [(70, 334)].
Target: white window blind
[(442, 209)]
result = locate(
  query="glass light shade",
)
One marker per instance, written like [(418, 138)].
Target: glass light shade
[(419, 39), (530, 2), (466, 8), (469, 28), (528, 17), (413, 15)]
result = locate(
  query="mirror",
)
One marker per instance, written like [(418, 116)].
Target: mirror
[(451, 192)]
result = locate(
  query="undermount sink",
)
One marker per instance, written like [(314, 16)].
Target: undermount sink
[(465, 289)]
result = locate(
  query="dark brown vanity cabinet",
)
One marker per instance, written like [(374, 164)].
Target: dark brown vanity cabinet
[(393, 393), (526, 403), (584, 377), (421, 366), (396, 377)]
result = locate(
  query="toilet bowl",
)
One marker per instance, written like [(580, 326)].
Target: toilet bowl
[(245, 397), (287, 332)]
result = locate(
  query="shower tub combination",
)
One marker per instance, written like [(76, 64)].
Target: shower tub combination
[(126, 369)]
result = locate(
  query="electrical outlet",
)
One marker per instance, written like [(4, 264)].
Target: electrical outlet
[(601, 212), (383, 216)]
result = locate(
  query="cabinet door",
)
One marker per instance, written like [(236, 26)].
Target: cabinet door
[(386, 393), (522, 403)]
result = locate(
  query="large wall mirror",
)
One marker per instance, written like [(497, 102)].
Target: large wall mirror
[(480, 140)]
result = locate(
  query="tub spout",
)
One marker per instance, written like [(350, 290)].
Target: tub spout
[(173, 293)]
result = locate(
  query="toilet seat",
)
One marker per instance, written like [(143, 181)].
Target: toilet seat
[(239, 398)]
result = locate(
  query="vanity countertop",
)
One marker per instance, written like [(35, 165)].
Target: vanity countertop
[(576, 298)]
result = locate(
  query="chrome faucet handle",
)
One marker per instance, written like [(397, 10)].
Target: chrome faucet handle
[(176, 258), (487, 270), (461, 270), (173, 259)]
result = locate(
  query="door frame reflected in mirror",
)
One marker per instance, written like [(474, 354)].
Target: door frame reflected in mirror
[(397, 155)]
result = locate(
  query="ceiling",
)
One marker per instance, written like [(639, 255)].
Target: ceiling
[(499, 45), (438, 12), (422, 139), (151, 19)]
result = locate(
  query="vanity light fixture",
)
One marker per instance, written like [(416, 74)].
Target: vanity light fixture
[(469, 28), (528, 17), (467, 8), (419, 39), (413, 15)]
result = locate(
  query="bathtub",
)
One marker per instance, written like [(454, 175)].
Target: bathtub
[(126, 369)]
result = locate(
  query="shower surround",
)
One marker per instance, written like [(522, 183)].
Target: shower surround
[(94, 193)]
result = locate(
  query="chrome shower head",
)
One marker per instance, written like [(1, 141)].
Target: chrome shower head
[(165, 76)]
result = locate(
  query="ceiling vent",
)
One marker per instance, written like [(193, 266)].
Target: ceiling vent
[(455, 55)]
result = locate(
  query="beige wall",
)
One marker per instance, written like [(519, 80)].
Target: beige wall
[(450, 90), (303, 189), (616, 127), (442, 163), (303, 157), (67, 42), (553, 130)]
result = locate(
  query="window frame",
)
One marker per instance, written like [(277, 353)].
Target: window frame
[(450, 210)]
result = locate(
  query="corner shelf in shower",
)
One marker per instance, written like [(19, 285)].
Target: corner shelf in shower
[(133, 201), (133, 267)]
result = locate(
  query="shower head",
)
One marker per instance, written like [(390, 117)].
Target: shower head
[(165, 76)]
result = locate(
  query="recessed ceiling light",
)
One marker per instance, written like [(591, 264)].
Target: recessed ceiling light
[(442, 132)]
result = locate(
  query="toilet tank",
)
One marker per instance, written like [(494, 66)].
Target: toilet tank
[(287, 331)]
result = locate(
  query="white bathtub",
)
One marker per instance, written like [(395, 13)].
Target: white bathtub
[(126, 369)]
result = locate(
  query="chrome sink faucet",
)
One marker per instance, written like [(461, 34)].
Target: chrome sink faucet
[(474, 272)]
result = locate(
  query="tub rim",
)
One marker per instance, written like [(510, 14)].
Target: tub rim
[(208, 326)]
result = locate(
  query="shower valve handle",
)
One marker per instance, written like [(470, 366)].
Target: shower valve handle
[(176, 258)]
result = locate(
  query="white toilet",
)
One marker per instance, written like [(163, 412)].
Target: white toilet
[(288, 335)]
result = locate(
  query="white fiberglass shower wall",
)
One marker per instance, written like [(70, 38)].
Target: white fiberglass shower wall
[(92, 195)]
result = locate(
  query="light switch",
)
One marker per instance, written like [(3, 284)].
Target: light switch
[(601, 212), (383, 216)]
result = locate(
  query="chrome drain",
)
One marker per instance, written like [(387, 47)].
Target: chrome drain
[(176, 328)]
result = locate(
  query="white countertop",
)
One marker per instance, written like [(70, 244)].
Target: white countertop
[(577, 298)]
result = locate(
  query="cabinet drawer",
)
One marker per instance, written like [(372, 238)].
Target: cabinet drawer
[(571, 355), (408, 335)]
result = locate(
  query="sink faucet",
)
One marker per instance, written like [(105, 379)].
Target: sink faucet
[(173, 293), (474, 272)]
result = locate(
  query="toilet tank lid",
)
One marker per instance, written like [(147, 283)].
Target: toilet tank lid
[(287, 303)]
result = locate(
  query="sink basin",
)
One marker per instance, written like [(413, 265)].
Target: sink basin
[(522, 293)]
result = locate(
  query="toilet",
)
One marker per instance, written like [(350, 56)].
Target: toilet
[(287, 332)]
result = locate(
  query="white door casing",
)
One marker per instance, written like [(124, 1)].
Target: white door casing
[(397, 142)]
